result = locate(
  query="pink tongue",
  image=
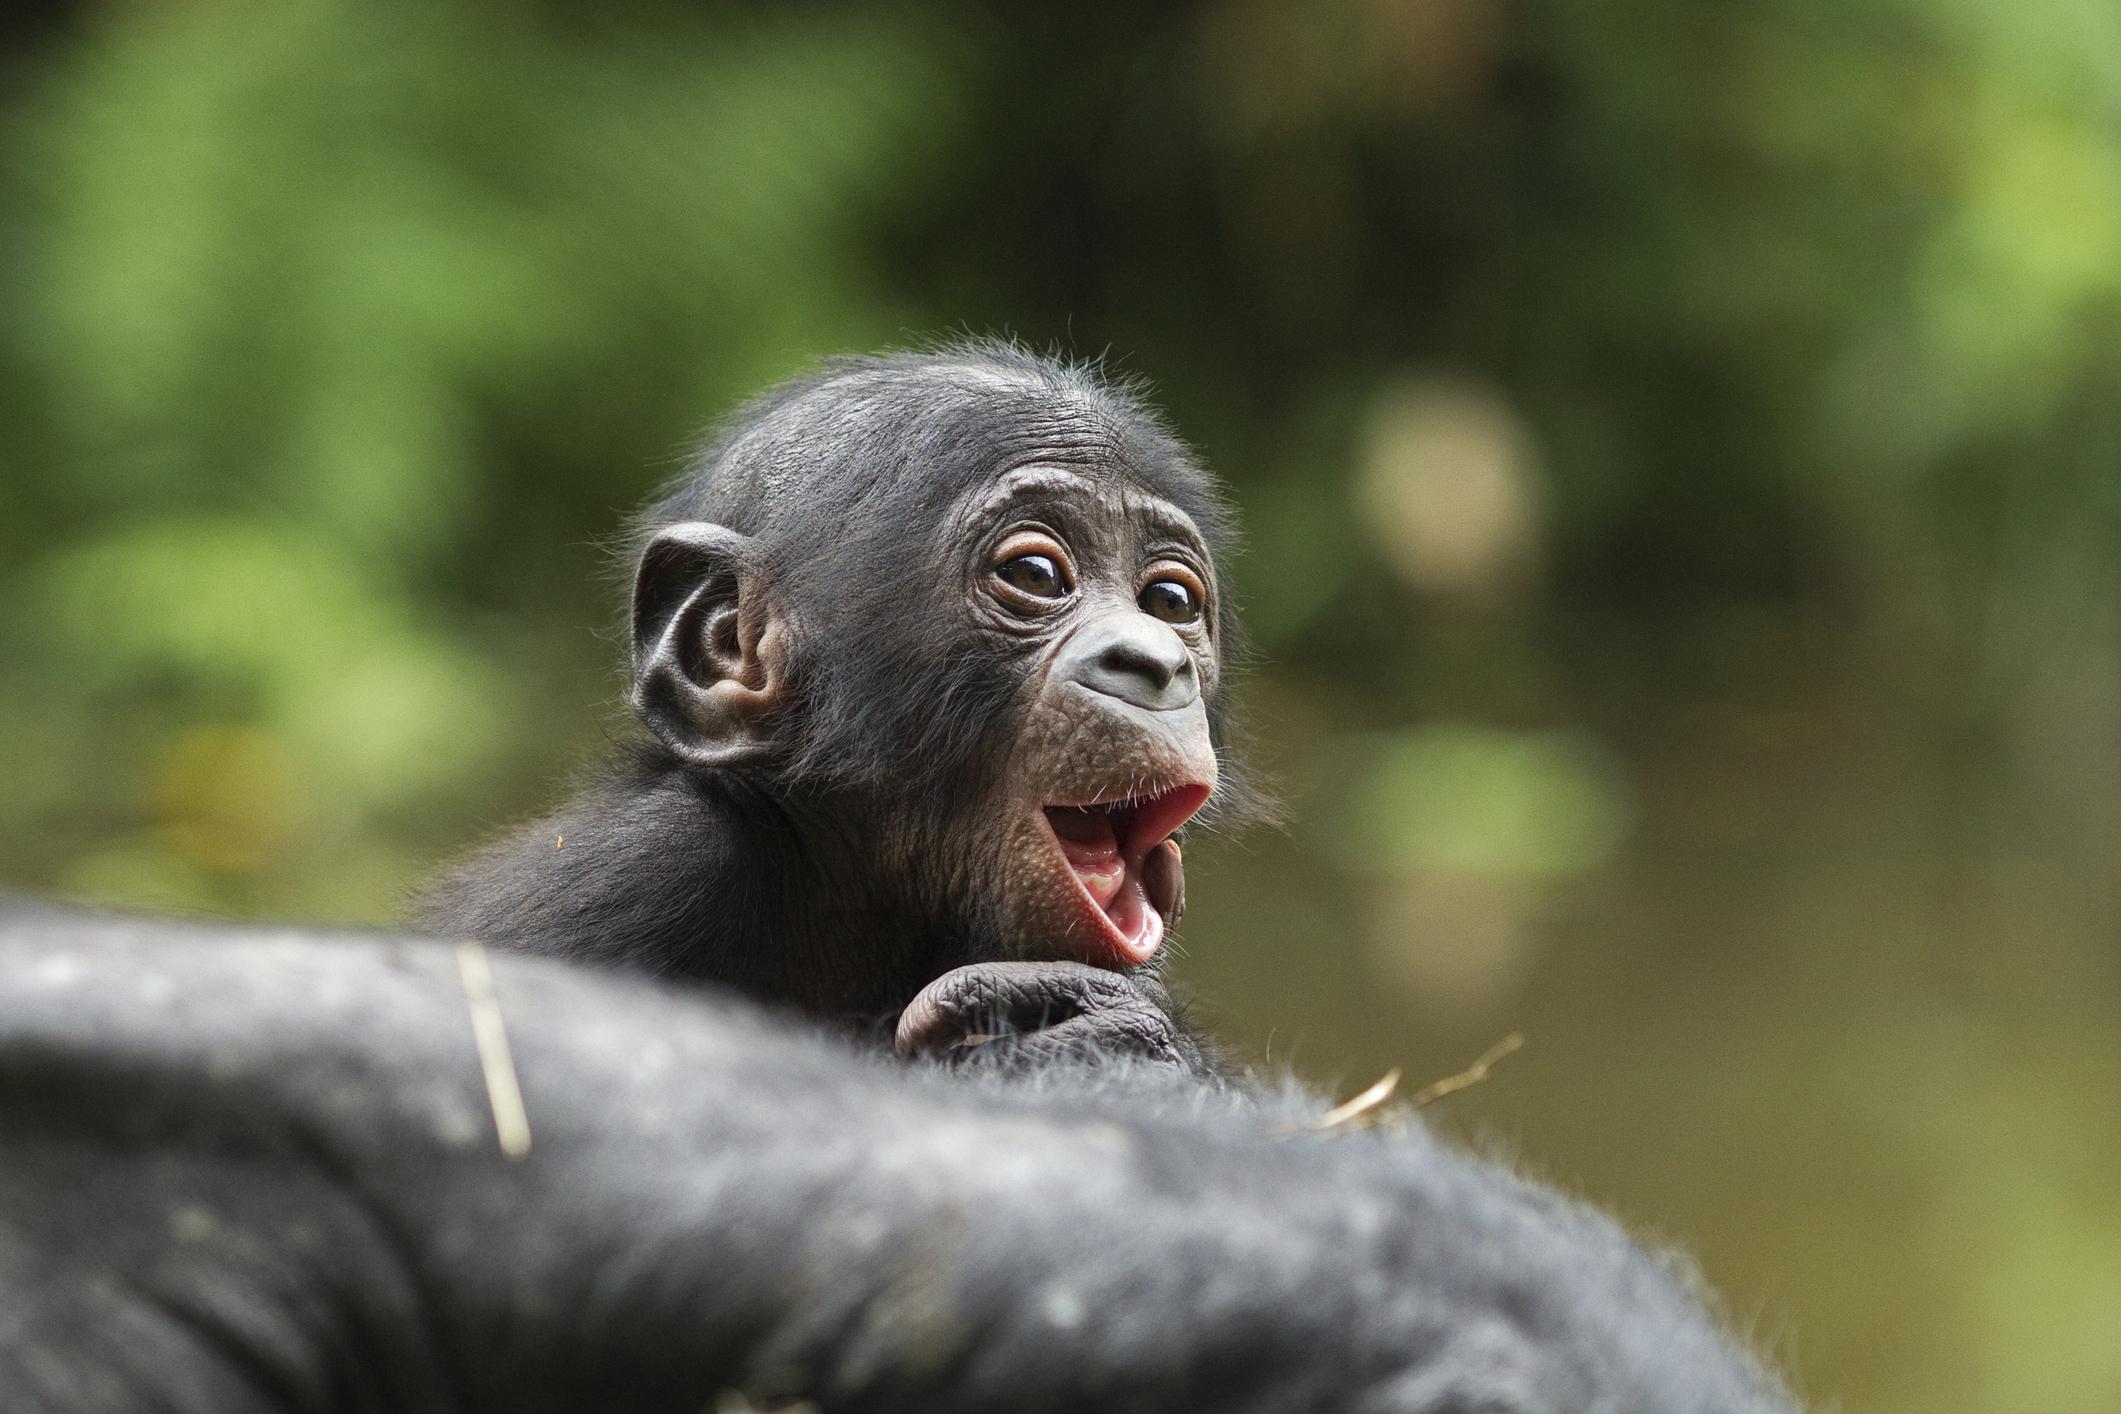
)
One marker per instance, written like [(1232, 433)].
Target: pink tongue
[(1091, 847)]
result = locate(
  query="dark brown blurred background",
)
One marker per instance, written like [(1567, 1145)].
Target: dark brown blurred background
[(1681, 447)]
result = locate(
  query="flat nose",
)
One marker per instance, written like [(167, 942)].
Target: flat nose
[(1135, 658)]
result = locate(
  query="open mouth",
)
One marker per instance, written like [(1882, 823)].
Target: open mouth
[(1126, 864)]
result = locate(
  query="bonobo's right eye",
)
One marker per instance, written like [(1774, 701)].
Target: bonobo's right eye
[(1035, 575), (1032, 570)]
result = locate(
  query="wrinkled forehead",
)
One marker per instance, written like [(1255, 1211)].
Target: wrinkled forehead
[(1102, 486), (1029, 441)]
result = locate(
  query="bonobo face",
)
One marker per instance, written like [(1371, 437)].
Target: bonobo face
[(953, 631), (1103, 595)]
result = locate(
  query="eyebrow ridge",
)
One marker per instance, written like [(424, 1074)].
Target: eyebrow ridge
[(1044, 479)]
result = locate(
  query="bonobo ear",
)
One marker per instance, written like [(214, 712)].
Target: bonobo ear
[(707, 656)]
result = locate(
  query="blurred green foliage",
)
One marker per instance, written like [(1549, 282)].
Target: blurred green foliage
[(1681, 446)]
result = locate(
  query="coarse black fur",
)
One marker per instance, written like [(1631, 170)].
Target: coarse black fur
[(252, 1171), (745, 874)]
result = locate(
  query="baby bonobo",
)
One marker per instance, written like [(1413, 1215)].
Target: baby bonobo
[(929, 650)]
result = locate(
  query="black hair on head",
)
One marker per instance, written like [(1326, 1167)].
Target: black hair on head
[(859, 431)]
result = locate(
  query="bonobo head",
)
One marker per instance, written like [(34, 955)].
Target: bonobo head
[(956, 618)]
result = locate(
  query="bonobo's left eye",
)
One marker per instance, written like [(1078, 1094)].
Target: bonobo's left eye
[(1171, 596)]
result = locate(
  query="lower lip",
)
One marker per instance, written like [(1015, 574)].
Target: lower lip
[(1121, 951), (1139, 950)]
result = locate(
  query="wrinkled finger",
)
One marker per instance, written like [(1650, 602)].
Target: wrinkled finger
[(1002, 998)]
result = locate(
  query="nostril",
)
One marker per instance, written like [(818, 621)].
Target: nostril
[(1135, 660)]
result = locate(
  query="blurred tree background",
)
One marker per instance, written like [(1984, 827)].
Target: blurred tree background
[(1681, 446)]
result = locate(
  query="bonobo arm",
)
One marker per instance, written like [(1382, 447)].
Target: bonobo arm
[(251, 1170)]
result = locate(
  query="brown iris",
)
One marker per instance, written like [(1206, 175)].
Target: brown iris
[(1171, 600), (1036, 575)]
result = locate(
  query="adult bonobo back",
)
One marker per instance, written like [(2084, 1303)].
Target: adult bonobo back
[(930, 650)]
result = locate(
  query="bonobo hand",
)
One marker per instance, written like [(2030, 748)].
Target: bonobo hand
[(1026, 1014)]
